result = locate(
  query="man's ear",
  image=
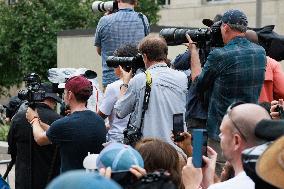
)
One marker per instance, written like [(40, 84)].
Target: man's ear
[(237, 141)]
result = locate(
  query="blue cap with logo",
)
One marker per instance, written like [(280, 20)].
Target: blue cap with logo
[(235, 17), (81, 179)]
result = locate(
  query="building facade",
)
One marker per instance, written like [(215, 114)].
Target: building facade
[(191, 12)]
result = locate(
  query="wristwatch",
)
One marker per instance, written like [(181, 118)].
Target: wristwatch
[(123, 85)]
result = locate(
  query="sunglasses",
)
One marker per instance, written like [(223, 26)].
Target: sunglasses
[(229, 113)]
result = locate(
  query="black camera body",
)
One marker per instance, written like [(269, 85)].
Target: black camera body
[(280, 110), (204, 37), (33, 93), (127, 63), (132, 135)]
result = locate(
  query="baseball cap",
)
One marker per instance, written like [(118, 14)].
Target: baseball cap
[(235, 17), (119, 157), (269, 130), (49, 93), (270, 165), (82, 179), (79, 85)]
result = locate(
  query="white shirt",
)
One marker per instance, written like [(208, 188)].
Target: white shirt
[(241, 181), (115, 133), (167, 97)]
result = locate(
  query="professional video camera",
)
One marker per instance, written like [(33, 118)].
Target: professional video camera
[(210, 37), (33, 93), (127, 63), (101, 6)]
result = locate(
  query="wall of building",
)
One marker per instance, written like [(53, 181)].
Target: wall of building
[(78, 52), (191, 12)]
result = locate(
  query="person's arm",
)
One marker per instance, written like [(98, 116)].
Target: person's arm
[(126, 76), (12, 148), (278, 80), (203, 76), (44, 126), (191, 176), (127, 100), (98, 42), (99, 50), (38, 132), (194, 60), (102, 114)]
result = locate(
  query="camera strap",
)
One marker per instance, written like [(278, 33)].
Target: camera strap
[(146, 96), (146, 30)]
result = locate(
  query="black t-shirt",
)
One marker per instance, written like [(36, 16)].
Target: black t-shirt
[(77, 134), (33, 162)]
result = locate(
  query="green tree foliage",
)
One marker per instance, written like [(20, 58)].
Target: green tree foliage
[(28, 33)]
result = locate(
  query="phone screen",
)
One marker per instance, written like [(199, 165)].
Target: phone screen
[(178, 123)]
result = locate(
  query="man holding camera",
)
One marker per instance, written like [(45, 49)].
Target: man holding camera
[(112, 92), (35, 165), (232, 73), (76, 134), (165, 92), (113, 30)]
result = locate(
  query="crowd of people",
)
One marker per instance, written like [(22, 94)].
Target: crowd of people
[(239, 91)]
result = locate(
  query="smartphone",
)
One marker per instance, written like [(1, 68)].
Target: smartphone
[(178, 127), (123, 178), (199, 144)]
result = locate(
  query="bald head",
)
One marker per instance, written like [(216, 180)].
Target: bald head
[(246, 116), (252, 36)]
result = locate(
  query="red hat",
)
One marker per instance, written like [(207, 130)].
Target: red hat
[(79, 85)]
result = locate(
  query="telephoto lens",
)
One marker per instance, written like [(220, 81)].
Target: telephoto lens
[(100, 6)]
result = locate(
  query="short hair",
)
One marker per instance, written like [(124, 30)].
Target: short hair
[(157, 155), (236, 27), (126, 50), (155, 47), (83, 96), (132, 2)]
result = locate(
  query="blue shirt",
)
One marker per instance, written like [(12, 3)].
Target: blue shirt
[(114, 30), (76, 135), (232, 73), (167, 97)]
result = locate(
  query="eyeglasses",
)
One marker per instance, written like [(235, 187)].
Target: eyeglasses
[(229, 113)]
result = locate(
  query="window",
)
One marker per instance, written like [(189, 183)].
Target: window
[(163, 2), (11, 2), (217, 1)]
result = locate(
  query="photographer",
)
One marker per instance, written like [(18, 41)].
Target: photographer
[(35, 165), (114, 30), (165, 92), (232, 73), (106, 109), (80, 132)]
